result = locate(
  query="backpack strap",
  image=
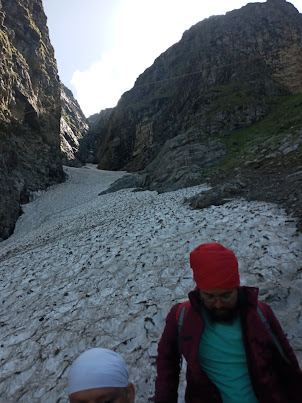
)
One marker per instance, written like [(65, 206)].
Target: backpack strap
[(263, 315), (182, 310)]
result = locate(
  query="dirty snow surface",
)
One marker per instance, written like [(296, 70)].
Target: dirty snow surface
[(83, 270)]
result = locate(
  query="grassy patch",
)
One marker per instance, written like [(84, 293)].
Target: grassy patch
[(5, 113), (284, 120), (229, 96), (30, 20)]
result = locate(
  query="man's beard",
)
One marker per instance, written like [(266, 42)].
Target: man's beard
[(223, 315)]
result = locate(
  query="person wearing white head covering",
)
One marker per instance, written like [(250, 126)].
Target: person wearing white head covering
[(99, 375)]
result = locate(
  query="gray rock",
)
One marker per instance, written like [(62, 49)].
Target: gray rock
[(290, 149), (73, 129), (30, 157), (218, 195)]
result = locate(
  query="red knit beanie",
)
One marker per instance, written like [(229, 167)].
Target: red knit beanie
[(214, 266)]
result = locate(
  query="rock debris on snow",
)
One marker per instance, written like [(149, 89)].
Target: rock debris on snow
[(85, 270)]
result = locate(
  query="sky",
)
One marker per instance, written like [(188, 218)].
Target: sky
[(102, 46)]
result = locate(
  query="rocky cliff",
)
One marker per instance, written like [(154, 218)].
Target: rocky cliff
[(29, 108), (74, 129), (214, 102), (225, 74), (96, 124)]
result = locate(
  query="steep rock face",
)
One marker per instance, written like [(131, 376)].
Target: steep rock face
[(74, 127), (30, 108), (225, 74), (96, 125)]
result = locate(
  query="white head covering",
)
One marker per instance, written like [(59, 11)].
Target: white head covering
[(97, 368)]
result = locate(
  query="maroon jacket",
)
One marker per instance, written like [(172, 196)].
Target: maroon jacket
[(273, 380)]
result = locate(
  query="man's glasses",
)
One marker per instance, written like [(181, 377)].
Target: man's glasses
[(211, 299)]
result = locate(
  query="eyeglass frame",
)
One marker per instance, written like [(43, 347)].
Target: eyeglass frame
[(211, 299)]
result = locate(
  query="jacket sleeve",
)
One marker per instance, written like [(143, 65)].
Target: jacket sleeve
[(290, 374), (167, 362)]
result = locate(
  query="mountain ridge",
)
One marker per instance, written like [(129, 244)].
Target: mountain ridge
[(228, 73)]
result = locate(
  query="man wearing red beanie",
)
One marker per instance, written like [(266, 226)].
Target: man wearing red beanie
[(235, 349)]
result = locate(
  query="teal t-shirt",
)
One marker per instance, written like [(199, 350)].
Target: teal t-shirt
[(222, 356)]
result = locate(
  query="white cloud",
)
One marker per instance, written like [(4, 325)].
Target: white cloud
[(102, 85)]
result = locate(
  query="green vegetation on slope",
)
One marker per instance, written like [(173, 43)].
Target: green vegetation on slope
[(282, 123)]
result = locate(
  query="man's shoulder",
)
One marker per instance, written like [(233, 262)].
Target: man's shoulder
[(182, 311), (175, 311)]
